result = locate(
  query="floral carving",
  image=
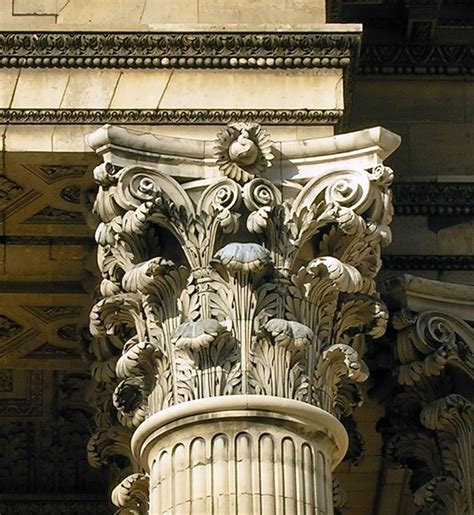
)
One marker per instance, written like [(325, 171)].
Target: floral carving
[(233, 285), (243, 151), (131, 495), (178, 50), (428, 426)]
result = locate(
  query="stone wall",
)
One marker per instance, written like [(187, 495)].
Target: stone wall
[(435, 162), (133, 13)]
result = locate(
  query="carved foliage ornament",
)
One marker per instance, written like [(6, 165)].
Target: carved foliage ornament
[(429, 425), (178, 50), (243, 151), (208, 294)]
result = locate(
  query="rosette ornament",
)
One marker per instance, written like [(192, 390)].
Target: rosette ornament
[(239, 297), (243, 151)]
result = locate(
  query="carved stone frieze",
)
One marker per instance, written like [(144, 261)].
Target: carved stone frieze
[(416, 59), (429, 420), (428, 262), (8, 328), (270, 49), (9, 191), (171, 116), (233, 284), (422, 198)]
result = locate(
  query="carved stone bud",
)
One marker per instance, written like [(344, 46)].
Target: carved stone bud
[(243, 151)]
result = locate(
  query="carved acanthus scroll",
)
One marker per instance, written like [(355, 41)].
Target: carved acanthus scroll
[(237, 285), (429, 423)]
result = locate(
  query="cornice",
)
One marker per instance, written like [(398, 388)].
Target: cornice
[(331, 47), (171, 116), (434, 198), (418, 59), (428, 262), (419, 294)]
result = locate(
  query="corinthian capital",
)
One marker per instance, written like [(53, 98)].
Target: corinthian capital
[(227, 271), (428, 426)]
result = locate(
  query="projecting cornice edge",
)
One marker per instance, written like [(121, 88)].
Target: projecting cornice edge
[(420, 294), (297, 159)]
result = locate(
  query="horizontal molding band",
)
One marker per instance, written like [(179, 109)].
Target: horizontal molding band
[(428, 262), (434, 198), (47, 240), (171, 116), (228, 50), (57, 507), (417, 60), (178, 50)]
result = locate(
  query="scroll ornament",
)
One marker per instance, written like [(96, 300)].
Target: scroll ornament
[(428, 427), (234, 288)]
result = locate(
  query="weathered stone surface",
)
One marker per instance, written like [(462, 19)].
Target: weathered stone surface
[(428, 422), (252, 276)]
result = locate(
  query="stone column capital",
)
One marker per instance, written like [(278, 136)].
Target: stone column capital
[(237, 270), (429, 418)]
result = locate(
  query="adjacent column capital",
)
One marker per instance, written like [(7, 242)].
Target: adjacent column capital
[(429, 419)]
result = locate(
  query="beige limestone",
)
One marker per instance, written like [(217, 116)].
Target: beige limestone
[(41, 7), (136, 13), (40, 88), (90, 89), (177, 89), (393, 100), (240, 454), (141, 89), (186, 11), (457, 239), (210, 89), (190, 11), (452, 142), (419, 294), (417, 235), (8, 80), (28, 138), (9, 18), (261, 11)]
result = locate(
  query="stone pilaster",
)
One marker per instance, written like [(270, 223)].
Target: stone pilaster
[(237, 292), (429, 423)]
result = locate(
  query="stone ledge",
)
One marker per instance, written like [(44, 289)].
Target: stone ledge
[(417, 294), (324, 46)]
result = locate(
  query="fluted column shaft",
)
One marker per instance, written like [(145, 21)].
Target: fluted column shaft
[(240, 302)]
